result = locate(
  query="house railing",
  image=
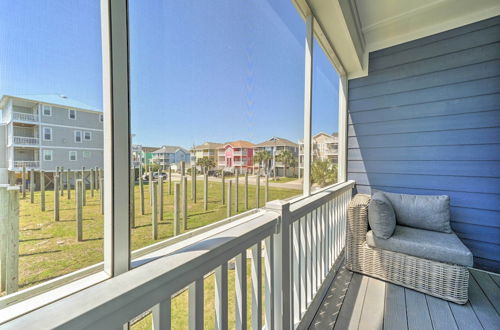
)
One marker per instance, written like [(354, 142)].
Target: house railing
[(290, 246), (24, 116), (26, 140), (26, 163)]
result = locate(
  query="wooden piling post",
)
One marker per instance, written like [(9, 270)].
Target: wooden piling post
[(4, 234), (193, 184), (170, 180), (68, 183), (160, 193), (236, 192), (23, 182), (223, 187), (177, 225), (101, 194), (154, 210), (257, 192), (205, 192), (56, 198), (183, 168), (266, 191), (132, 198), (42, 191), (141, 195), (32, 186), (61, 184), (150, 182), (229, 185), (246, 190), (84, 191), (79, 209), (12, 241), (184, 203), (92, 182)]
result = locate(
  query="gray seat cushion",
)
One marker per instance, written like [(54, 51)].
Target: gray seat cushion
[(381, 215), (422, 211), (424, 244)]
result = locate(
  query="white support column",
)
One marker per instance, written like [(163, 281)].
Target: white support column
[(308, 78), (342, 156), (114, 30)]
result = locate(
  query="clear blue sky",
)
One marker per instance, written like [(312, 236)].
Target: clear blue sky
[(200, 70)]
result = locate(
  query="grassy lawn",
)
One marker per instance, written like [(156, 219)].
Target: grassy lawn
[(49, 249)]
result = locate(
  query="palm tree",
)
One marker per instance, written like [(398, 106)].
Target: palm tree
[(261, 157), (287, 158), (205, 163), (323, 172)]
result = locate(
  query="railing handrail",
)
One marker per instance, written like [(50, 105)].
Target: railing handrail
[(24, 116), (120, 299), (26, 139)]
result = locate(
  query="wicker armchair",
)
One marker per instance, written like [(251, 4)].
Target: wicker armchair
[(442, 280)]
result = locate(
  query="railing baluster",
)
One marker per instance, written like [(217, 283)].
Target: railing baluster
[(241, 290), (195, 297), (221, 297), (309, 258), (257, 286), (162, 315), (268, 284), (296, 271), (303, 261)]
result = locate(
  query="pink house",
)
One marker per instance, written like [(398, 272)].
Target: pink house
[(236, 155)]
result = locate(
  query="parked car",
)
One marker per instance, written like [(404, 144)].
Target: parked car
[(145, 176)]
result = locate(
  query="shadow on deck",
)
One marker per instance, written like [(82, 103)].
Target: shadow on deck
[(356, 301)]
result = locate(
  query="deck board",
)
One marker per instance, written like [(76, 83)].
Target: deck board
[(395, 308), (357, 301), (489, 287), (417, 311), (441, 315)]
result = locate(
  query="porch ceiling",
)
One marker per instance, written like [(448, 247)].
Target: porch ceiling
[(350, 29)]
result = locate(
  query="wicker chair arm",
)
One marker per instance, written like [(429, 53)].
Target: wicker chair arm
[(357, 219)]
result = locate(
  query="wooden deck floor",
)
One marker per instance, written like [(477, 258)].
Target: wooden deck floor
[(355, 301)]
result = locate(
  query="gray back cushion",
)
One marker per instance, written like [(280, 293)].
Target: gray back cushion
[(381, 216), (422, 211)]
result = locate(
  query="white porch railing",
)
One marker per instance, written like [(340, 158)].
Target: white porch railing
[(26, 163), (24, 116), (293, 247), (26, 140)]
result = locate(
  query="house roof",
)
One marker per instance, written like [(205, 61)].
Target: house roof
[(277, 141), (169, 150), (239, 144), (149, 149), (208, 145), (54, 99)]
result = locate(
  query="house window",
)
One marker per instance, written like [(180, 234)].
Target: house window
[(47, 134), (87, 136), (47, 155), (87, 154), (47, 110), (72, 156), (78, 136), (71, 114)]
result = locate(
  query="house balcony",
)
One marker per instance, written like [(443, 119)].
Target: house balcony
[(25, 140), (17, 165), (221, 154), (24, 117)]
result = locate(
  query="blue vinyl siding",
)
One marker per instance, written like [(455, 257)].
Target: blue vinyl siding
[(426, 120)]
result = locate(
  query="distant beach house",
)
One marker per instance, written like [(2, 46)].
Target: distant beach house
[(275, 146), (236, 155), (324, 146), (207, 149), (142, 155), (44, 132), (171, 156)]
